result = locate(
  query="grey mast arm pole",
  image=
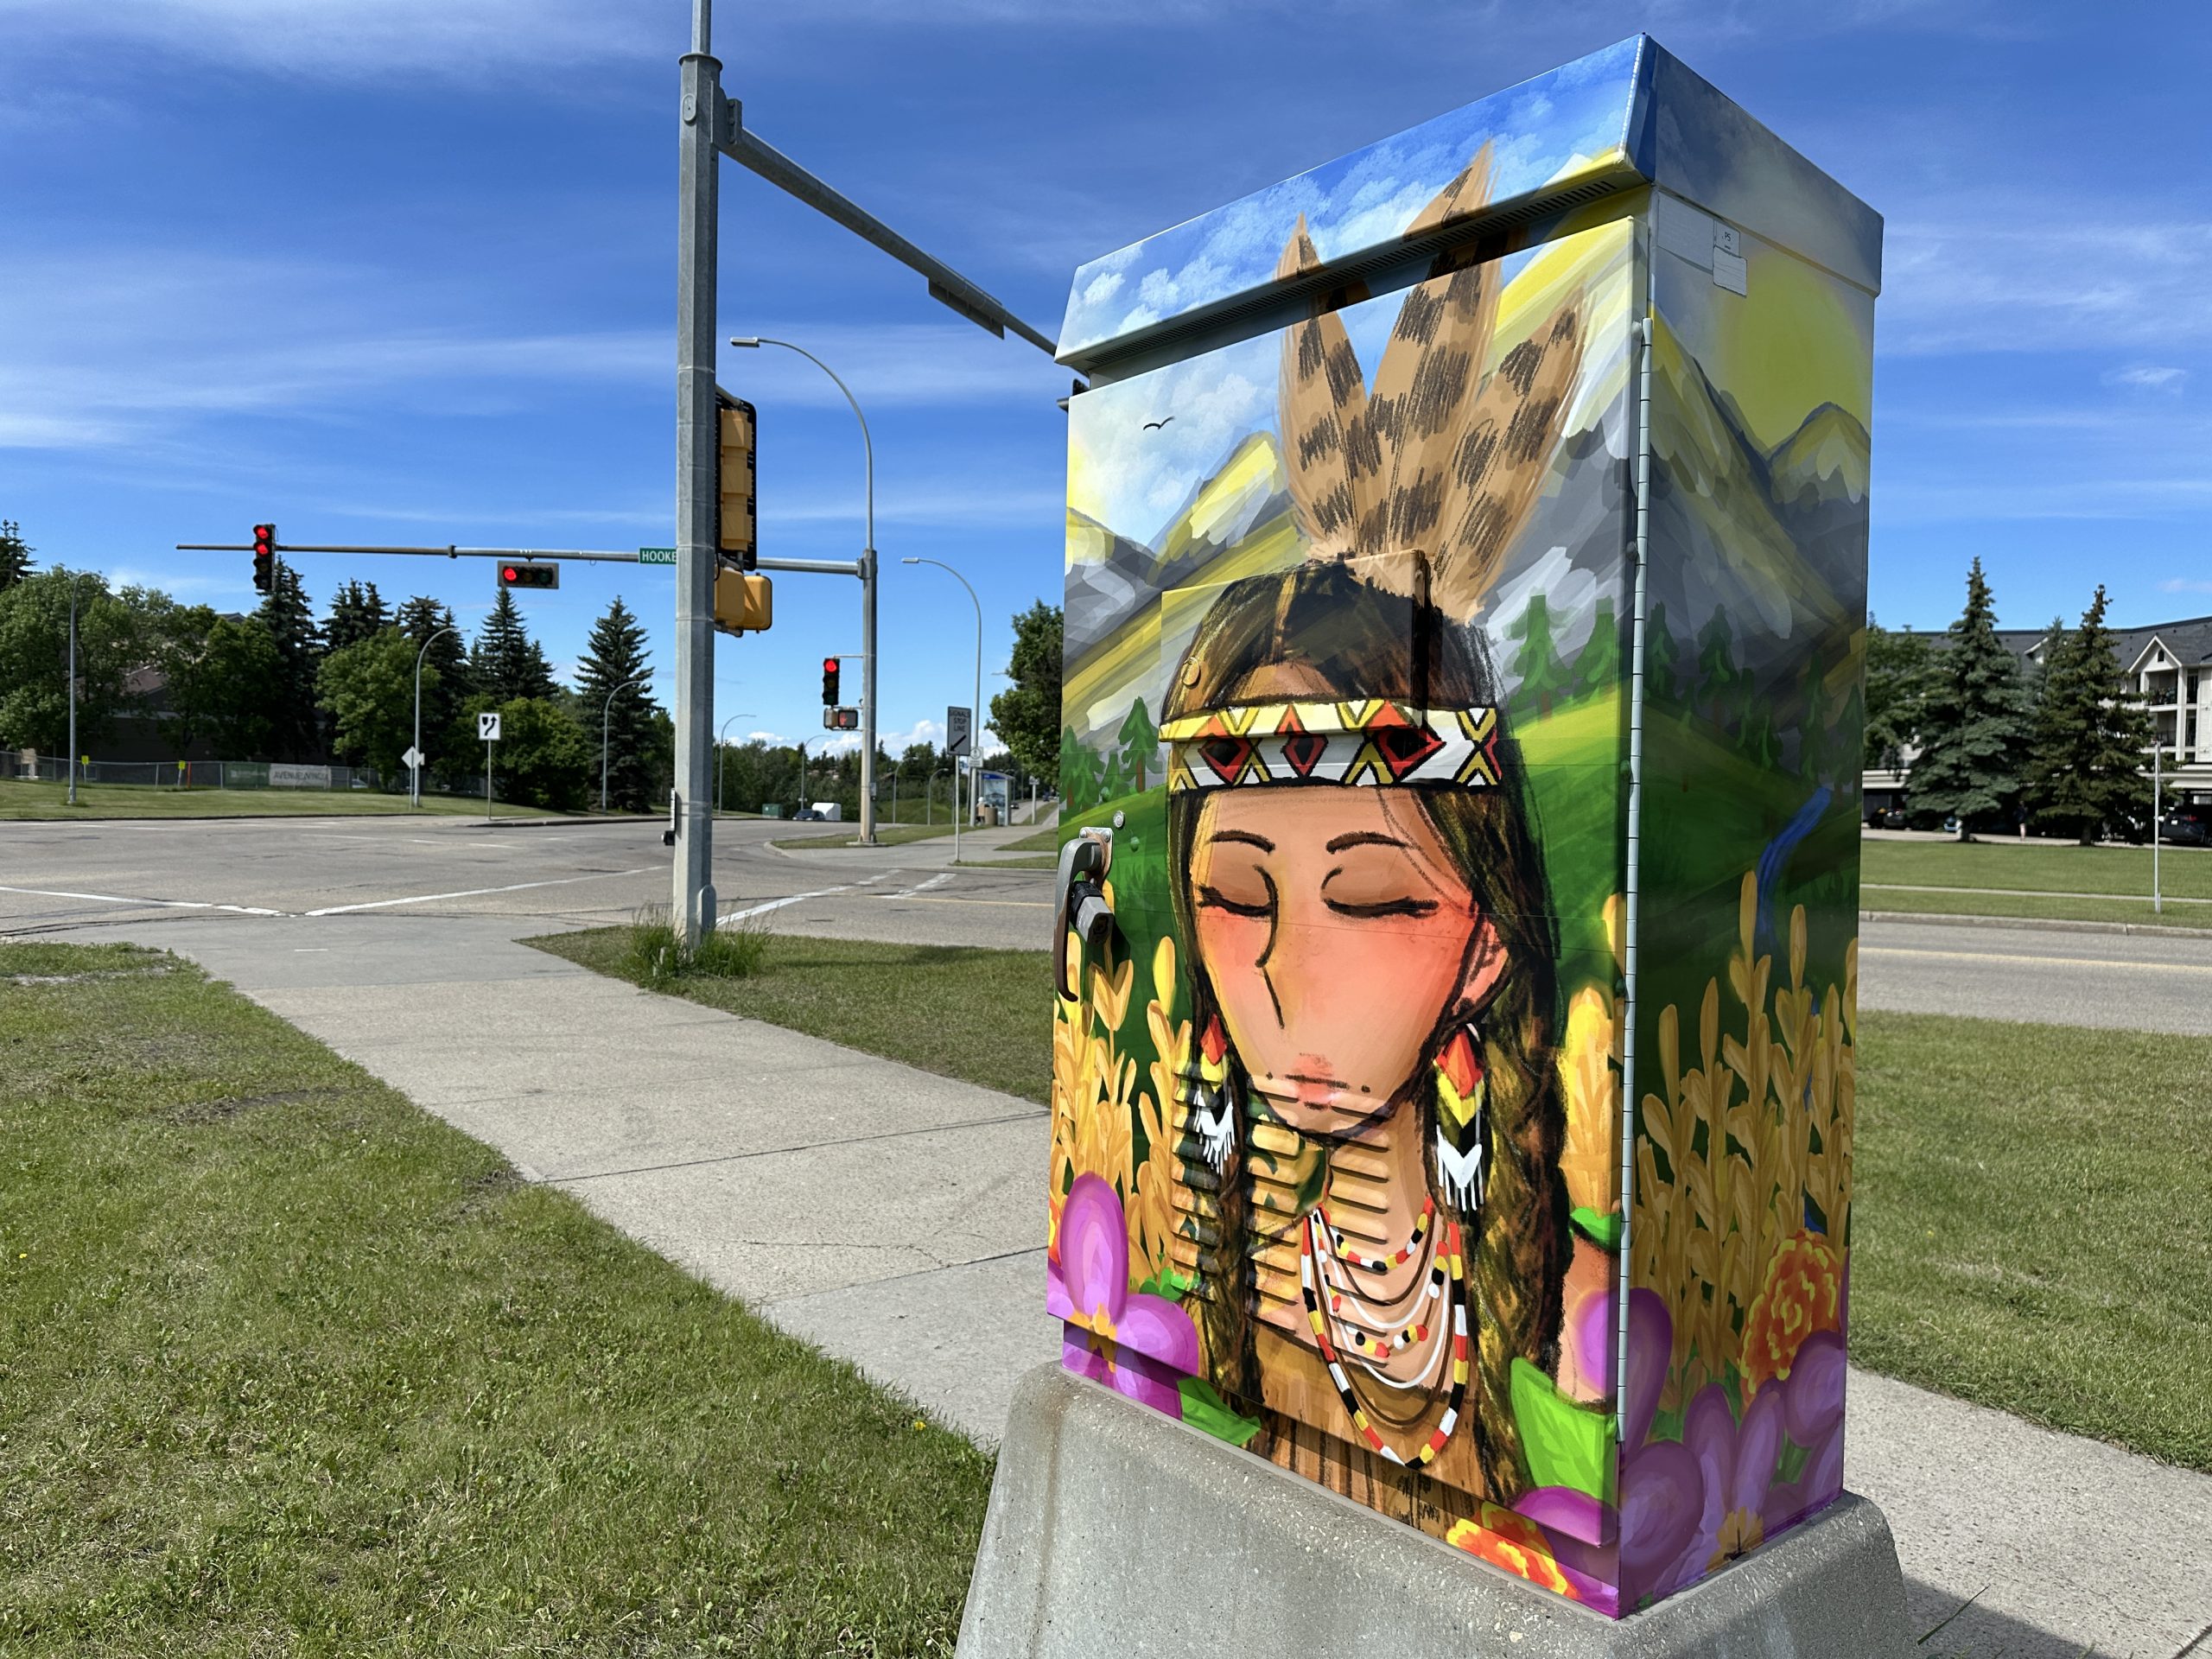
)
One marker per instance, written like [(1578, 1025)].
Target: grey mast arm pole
[(693, 909)]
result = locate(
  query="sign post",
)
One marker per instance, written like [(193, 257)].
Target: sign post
[(487, 728), (956, 723)]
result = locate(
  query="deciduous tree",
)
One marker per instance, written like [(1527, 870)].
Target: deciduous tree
[(1026, 715)]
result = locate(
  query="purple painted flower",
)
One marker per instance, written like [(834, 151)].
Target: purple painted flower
[(1139, 1344)]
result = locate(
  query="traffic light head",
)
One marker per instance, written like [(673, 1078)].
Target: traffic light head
[(515, 574), (264, 558), (737, 532), (829, 681)]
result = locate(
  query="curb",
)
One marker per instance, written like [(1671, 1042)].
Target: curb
[(2045, 924)]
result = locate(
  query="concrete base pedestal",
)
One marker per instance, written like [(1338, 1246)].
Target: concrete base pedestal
[(1113, 1529)]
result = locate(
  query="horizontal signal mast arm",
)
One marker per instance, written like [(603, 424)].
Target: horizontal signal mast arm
[(597, 556), (947, 286)]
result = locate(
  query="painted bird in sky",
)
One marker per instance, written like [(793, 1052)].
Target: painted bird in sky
[(1154, 426)]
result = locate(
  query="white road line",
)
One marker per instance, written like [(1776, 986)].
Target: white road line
[(161, 904), (921, 886), (476, 893), (777, 904)]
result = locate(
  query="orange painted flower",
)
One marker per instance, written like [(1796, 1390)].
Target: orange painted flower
[(1213, 1051), (1803, 1293), (1514, 1542)]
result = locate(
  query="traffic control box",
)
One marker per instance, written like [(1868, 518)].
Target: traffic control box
[(1454, 1044)]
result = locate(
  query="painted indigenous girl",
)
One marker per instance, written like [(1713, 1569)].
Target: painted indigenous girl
[(1374, 1128)]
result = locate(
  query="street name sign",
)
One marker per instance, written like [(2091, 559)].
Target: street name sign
[(655, 556)]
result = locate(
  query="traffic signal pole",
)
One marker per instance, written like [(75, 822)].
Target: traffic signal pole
[(692, 910)]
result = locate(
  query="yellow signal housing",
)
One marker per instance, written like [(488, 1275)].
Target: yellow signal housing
[(738, 536), (744, 602)]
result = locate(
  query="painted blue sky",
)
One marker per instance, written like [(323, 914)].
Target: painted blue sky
[(402, 270)]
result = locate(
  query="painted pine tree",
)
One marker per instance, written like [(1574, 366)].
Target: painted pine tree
[(1536, 664), (1140, 749), (1597, 667), (2085, 767), (1974, 722)]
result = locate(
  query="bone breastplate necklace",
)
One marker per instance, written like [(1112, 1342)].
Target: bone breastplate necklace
[(1416, 1345)]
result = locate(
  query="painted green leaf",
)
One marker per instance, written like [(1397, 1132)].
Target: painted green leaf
[(1602, 1229), (1567, 1444), (1204, 1409), (1167, 1282)]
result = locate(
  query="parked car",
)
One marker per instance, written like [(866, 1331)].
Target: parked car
[(2185, 830), (805, 815), (1886, 818)]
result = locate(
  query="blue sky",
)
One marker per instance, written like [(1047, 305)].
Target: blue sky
[(401, 271)]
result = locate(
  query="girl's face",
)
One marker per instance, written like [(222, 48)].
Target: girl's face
[(1336, 932)]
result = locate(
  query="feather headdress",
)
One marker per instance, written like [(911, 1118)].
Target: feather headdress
[(1438, 460)]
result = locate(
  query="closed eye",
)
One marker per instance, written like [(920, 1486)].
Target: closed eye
[(1214, 898), (1414, 907)]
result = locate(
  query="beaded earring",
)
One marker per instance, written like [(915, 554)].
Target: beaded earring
[(1213, 1107), (1462, 1122)]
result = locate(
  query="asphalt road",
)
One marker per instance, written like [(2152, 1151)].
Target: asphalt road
[(317, 872), (313, 876)]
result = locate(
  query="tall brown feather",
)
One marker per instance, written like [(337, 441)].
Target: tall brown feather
[(1429, 373), (1333, 468), (1504, 452)]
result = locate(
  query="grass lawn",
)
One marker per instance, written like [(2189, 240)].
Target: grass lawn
[(2048, 881), (41, 802), (1045, 841), (287, 1366), (843, 835), (983, 1015), (1043, 862), (2027, 1232), (2029, 1225)]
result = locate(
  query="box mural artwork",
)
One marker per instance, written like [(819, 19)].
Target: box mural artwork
[(1341, 1167)]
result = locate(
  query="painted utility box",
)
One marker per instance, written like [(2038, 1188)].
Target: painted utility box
[(1466, 596)]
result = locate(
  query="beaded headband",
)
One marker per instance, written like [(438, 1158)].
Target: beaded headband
[(1375, 742)]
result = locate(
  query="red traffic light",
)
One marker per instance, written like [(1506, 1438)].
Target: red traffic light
[(530, 575), (829, 681), (264, 558), (508, 573)]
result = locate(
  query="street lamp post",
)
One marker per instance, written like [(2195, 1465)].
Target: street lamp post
[(974, 713), (2158, 785), (867, 589), (721, 742), (606, 713), (73, 690), (415, 787)]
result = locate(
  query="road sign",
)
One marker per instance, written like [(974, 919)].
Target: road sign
[(411, 760), (956, 731), (655, 556), (487, 728)]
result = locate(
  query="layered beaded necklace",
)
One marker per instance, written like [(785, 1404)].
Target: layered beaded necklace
[(1326, 1273)]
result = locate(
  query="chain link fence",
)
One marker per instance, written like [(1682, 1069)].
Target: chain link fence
[(28, 766)]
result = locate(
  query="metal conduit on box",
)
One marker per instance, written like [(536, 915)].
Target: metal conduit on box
[(1473, 753)]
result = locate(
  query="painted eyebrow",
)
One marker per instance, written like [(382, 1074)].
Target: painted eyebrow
[(1364, 838), (1246, 836)]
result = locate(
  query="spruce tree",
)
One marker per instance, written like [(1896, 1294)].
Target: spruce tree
[(357, 612), (1897, 667), (614, 656), (425, 621), (295, 724), (2085, 769), (15, 557), (505, 662), (1973, 723)]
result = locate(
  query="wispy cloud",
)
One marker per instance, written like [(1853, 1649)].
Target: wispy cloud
[(2186, 585), (2161, 378)]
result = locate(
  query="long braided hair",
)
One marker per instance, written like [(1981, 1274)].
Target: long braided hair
[(1353, 640)]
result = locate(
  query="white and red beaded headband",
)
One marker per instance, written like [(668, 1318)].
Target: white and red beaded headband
[(1376, 742)]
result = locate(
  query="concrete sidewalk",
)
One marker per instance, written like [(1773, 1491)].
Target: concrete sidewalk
[(742, 1151)]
